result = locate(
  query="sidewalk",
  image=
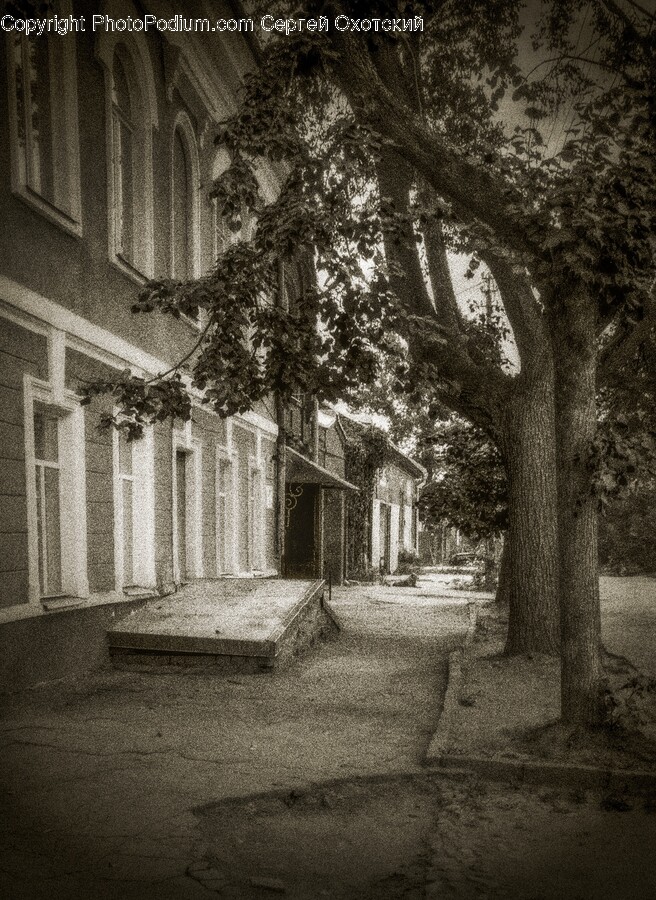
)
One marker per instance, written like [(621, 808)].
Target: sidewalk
[(101, 778), (501, 717)]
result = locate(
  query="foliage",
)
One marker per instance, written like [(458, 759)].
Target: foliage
[(627, 534), (625, 450), (409, 562), (364, 456), (469, 486), (633, 705), (141, 401), (358, 120)]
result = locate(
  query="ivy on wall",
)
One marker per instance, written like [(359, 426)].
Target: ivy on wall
[(364, 456)]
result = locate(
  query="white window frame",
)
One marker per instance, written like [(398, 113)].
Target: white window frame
[(72, 488), (183, 125), (135, 47), (63, 98), (143, 512)]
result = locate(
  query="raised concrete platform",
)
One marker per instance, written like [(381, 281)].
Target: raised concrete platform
[(238, 624)]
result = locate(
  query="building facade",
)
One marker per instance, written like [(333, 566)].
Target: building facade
[(315, 493), (107, 160), (394, 515), (383, 520)]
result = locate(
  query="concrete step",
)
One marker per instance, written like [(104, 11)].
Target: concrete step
[(232, 625)]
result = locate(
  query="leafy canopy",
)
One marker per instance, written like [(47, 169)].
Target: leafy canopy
[(520, 135)]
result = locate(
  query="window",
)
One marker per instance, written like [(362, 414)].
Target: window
[(48, 518), (128, 159), (55, 494), (131, 109), (185, 205), (184, 216), (126, 163), (187, 492), (45, 155), (181, 212), (126, 492)]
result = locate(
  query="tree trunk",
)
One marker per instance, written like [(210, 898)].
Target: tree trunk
[(528, 444), (574, 344), (503, 582), (489, 576)]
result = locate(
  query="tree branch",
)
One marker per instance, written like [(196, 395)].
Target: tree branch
[(520, 304), (476, 386), (622, 346), (477, 196), (394, 184), (446, 305)]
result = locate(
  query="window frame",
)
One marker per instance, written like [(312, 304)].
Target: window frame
[(143, 512), (72, 490), (144, 98), (183, 127), (64, 105)]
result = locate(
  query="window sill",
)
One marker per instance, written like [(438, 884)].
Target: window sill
[(48, 211), (23, 611), (128, 270), (194, 324), (52, 604)]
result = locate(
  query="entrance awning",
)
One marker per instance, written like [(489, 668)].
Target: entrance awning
[(302, 470)]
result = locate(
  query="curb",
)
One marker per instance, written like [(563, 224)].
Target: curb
[(457, 666), (523, 771)]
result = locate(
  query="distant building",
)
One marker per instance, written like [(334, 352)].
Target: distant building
[(316, 491), (383, 523)]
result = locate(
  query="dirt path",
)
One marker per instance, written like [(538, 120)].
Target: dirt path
[(101, 778)]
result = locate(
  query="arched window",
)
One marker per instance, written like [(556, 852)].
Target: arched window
[(184, 202), (131, 115), (43, 120), (126, 163)]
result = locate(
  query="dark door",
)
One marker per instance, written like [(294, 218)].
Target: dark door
[(300, 541)]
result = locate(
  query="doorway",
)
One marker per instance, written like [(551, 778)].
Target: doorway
[(385, 537), (300, 531)]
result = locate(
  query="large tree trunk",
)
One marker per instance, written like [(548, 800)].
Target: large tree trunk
[(528, 443), (505, 573), (574, 346)]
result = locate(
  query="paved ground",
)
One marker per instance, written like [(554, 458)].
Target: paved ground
[(101, 777), (173, 785)]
